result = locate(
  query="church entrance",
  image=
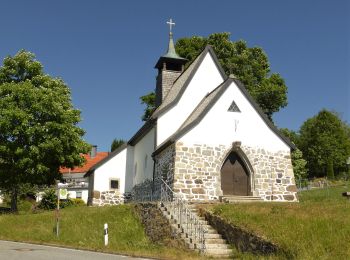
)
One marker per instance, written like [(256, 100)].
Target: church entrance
[(234, 176)]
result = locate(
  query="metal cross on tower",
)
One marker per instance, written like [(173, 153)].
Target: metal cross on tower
[(170, 22)]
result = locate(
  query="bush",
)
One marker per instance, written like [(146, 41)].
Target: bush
[(49, 200), (25, 205), (78, 202)]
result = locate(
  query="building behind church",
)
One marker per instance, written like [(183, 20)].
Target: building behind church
[(207, 139)]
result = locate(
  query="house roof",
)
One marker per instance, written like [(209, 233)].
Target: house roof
[(106, 159), (207, 103), (184, 79), (90, 162)]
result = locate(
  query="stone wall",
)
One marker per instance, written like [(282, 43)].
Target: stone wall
[(107, 198), (243, 240), (197, 171)]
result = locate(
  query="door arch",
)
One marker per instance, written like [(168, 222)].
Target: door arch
[(235, 178)]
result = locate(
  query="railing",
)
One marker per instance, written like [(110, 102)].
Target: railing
[(182, 213)]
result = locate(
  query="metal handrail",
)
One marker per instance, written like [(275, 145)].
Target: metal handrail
[(189, 222)]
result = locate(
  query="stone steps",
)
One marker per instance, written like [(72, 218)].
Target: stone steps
[(214, 246), (240, 199)]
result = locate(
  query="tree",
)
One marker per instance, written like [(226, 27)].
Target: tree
[(117, 143), (299, 163), (150, 101), (38, 126), (324, 140), (249, 65)]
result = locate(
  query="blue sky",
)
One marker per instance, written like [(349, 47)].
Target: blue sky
[(106, 50)]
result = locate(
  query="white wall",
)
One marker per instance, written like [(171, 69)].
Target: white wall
[(204, 81), (113, 168), (220, 127), (143, 158), (84, 194)]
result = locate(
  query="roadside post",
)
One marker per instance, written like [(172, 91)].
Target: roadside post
[(62, 194), (105, 227)]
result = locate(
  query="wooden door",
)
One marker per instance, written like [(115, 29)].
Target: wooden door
[(234, 177)]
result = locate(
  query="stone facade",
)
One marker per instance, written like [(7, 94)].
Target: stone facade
[(194, 171), (107, 198)]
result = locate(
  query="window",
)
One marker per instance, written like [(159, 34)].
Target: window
[(233, 107), (146, 158), (135, 169), (114, 184), (78, 194)]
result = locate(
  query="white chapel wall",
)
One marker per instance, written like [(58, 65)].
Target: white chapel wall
[(143, 162), (221, 127), (204, 81), (114, 168)]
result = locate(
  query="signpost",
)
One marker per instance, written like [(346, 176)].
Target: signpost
[(62, 194)]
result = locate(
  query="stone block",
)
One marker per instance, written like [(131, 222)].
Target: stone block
[(96, 194), (198, 191), (198, 181), (292, 188), (289, 197)]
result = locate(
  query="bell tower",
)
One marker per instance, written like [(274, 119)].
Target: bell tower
[(170, 66)]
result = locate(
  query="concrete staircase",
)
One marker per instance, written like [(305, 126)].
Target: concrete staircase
[(240, 199), (214, 244)]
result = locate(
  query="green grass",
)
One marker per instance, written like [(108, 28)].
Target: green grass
[(82, 227), (318, 227)]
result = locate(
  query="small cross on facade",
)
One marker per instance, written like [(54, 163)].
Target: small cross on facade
[(170, 22)]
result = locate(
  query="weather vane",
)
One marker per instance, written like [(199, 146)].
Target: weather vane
[(171, 23)]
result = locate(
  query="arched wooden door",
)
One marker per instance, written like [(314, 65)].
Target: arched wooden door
[(234, 176)]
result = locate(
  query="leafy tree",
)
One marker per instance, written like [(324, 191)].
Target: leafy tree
[(292, 135), (38, 126), (150, 101), (298, 162), (249, 65), (330, 169), (117, 143), (324, 140)]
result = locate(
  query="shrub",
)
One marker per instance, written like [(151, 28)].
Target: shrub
[(49, 200), (25, 205), (78, 202)]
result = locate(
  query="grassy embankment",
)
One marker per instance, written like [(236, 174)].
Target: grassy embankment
[(82, 227), (316, 228)]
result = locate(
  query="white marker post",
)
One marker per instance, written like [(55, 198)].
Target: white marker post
[(106, 233)]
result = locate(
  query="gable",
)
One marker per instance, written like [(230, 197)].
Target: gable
[(212, 122), (220, 126), (205, 78)]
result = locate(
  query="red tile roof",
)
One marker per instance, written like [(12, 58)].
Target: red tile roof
[(88, 164)]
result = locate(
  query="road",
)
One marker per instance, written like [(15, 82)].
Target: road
[(19, 251)]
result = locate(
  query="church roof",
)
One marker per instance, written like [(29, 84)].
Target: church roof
[(207, 103), (184, 79), (176, 92)]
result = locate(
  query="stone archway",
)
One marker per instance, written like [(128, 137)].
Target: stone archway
[(235, 178)]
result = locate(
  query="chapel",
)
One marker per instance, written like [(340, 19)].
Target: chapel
[(207, 139)]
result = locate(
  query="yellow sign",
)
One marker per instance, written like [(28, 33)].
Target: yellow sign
[(63, 194)]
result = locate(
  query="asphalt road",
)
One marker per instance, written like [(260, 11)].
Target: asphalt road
[(19, 251)]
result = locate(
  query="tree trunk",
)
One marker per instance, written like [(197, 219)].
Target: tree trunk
[(14, 194)]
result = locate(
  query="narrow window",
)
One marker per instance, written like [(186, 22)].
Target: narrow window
[(233, 107), (146, 158), (114, 184)]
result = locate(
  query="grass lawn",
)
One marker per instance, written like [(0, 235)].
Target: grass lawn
[(82, 227), (316, 228)]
